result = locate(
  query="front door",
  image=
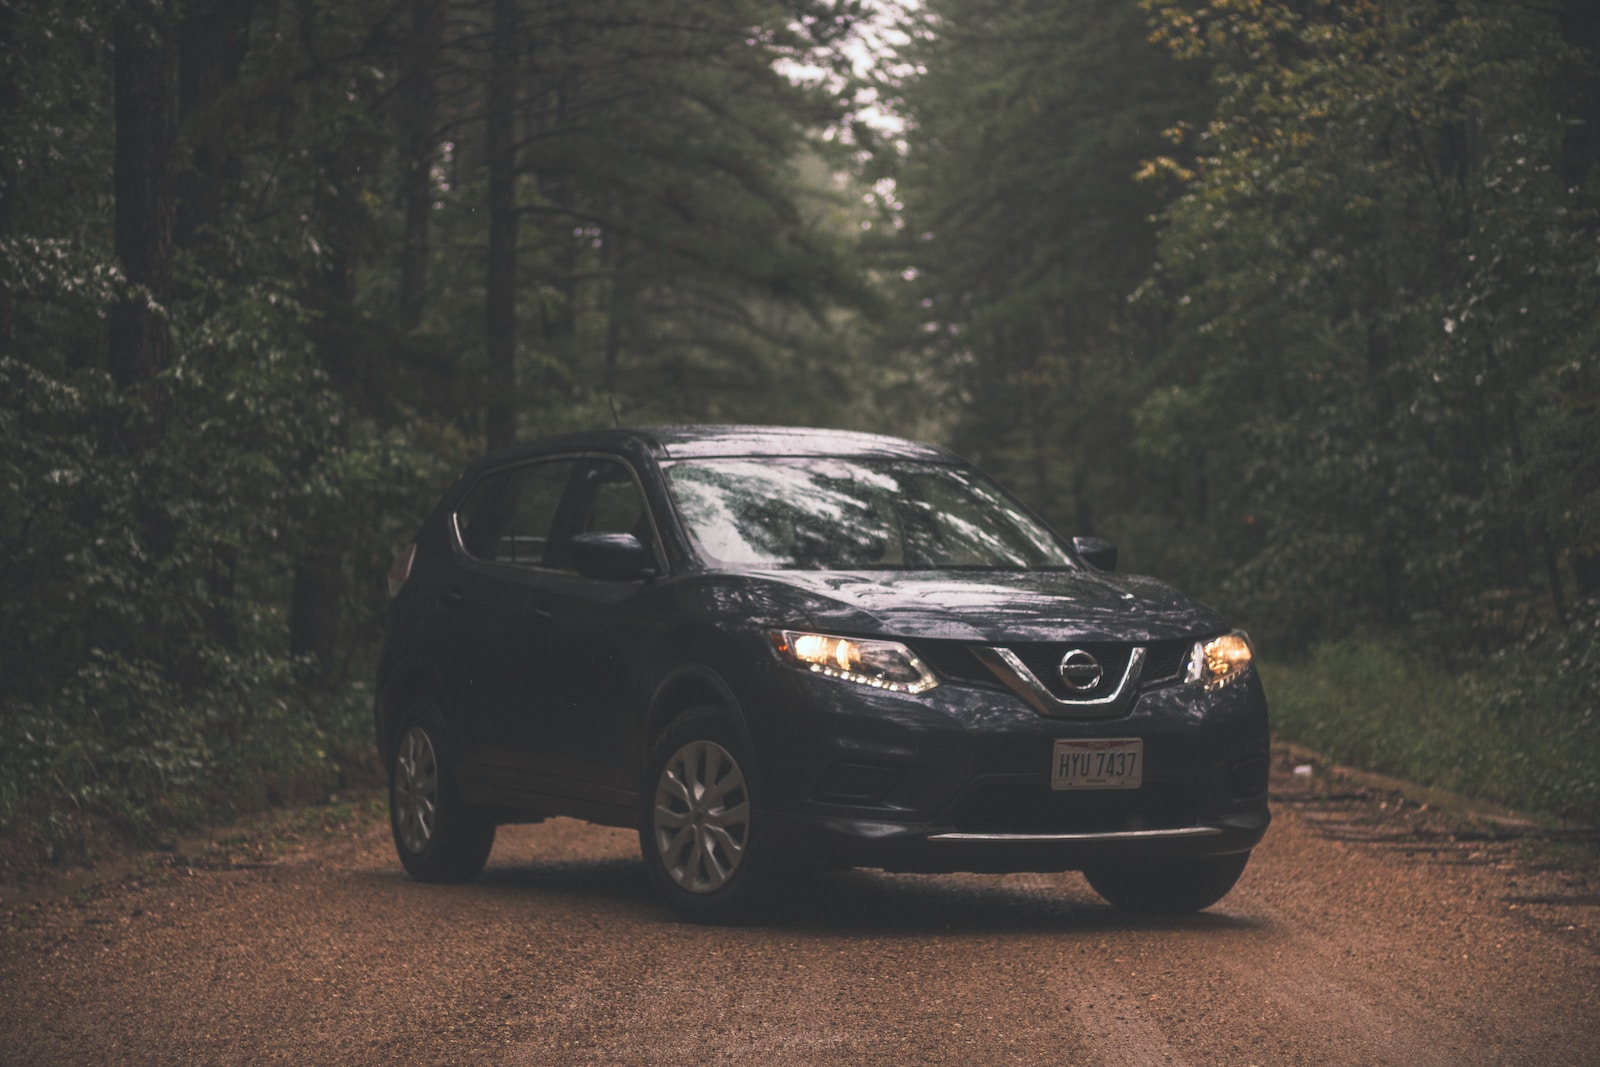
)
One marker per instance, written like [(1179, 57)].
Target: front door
[(547, 653), (594, 699), (498, 637)]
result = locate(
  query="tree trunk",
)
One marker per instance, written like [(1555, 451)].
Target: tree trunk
[(10, 100), (500, 423), (144, 181), (314, 612), (420, 145), (1580, 149), (614, 259), (212, 41), (344, 351)]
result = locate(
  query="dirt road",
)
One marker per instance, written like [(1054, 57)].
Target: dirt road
[(1345, 943)]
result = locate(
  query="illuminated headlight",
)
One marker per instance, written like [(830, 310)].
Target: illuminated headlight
[(880, 664), (1219, 661)]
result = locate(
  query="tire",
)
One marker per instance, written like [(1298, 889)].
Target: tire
[(1171, 888), (439, 838), (698, 828)]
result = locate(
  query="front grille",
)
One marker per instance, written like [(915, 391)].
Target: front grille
[(1009, 807), (954, 661), (1044, 660), (1165, 660)]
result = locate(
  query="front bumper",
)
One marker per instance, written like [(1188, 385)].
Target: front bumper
[(958, 779), (811, 843)]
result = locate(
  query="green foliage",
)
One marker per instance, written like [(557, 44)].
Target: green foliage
[(694, 287), (191, 586), (1375, 269), (1520, 729), (1024, 232), (1298, 302), (141, 599)]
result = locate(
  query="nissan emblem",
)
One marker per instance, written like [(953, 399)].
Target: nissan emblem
[(1080, 671)]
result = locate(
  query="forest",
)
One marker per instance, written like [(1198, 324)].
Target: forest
[(1297, 301)]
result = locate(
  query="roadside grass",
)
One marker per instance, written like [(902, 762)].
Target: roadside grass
[(1519, 735), (88, 786), (253, 841), (259, 839)]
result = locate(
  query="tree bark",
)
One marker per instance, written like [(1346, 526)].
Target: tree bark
[(144, 181), (10, 100), (1580, 149), (314, 612), (213, 39), (614, 259), (351, 360), (500, 422), (420, 143)]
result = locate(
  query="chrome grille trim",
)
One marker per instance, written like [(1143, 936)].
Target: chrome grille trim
[(1007, 666)]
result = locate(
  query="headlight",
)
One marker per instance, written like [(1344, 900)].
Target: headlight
[(1219, 661), (880, 664)]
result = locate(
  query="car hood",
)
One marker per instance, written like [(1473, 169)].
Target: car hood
[(993, 606)]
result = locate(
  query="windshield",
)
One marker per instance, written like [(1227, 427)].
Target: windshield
[(855, 514)]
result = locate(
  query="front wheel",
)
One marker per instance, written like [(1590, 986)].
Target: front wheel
[(698, 828), (439, 838), (1173, 888)]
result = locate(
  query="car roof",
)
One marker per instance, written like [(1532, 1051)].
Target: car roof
[(684, 442), (695, 442)]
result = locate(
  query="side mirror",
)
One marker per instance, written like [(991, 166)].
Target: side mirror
[(611, 557), (1096, 552)]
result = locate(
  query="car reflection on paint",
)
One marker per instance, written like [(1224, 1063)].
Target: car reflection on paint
[(778, 650)]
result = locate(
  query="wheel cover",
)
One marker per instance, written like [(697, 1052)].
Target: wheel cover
[(701, 817), (416, 789)]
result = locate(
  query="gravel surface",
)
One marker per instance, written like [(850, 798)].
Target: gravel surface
[(1368, 930)]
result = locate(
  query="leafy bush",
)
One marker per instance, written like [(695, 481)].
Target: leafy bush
[(143, 633), (123, 746), (1547, 699), (1522, 730)]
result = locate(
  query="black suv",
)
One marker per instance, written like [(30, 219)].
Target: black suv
[(774, 650)]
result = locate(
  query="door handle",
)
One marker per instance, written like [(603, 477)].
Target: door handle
[(451, 599)]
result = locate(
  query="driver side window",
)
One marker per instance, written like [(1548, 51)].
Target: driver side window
[(612, 503), (604, 499), (516, 529)]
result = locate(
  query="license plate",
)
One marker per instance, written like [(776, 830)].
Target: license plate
[(1108, 763)]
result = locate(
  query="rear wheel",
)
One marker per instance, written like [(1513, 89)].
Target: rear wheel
[(698, 829), (439, 838), (1170, 888)]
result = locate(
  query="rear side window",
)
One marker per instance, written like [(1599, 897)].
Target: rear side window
[(515, 527)]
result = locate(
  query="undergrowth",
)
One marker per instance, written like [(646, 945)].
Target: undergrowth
[(1522, 728), (122, 760)]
